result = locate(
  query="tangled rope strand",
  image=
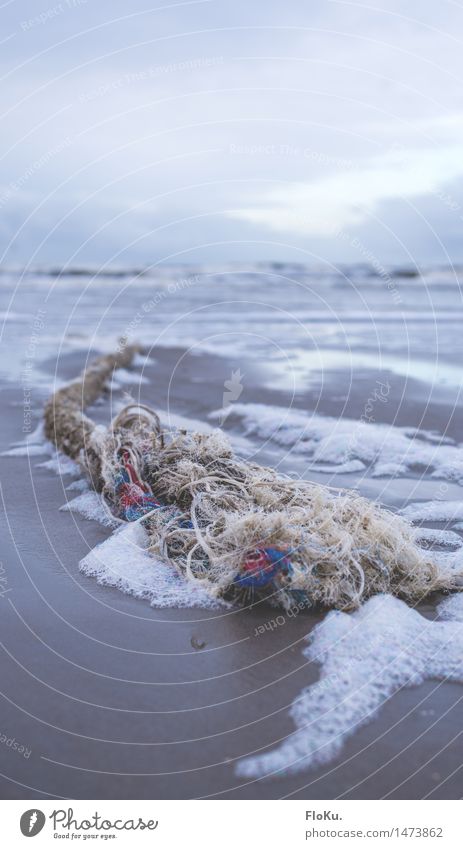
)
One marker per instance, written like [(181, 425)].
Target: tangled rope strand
[(237, 527)]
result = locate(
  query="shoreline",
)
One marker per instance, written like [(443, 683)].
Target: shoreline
[(116, 699)]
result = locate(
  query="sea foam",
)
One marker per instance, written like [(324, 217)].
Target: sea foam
[(365, 658), (123, 561), (344, 445), (92, 506)]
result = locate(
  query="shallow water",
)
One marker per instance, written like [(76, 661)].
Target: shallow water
[(301, 320), (343, 377)]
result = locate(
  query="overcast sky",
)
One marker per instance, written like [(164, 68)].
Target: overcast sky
[(220, 131)]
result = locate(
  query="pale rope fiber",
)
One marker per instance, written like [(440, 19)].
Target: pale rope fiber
[(220, 509)]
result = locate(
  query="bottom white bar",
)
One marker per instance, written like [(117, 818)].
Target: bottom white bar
[(245, 824)]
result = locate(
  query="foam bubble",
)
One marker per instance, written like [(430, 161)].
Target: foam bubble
[(60, 464), (446, 539), (434, 511), (26, 450), (80, 485), (123, 377), (452, 608)]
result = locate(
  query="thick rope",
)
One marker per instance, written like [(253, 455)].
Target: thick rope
[(242, 530)]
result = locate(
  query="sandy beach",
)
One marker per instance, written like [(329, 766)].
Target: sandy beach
[(231, 404), (111, 698)]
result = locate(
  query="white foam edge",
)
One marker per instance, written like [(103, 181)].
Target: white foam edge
[(365, 658), (123, 562), (92, 506), (331, 442)]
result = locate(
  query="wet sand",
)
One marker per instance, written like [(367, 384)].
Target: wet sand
[(115, 699)]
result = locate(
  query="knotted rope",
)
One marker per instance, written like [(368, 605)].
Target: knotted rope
[(242, 530)]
